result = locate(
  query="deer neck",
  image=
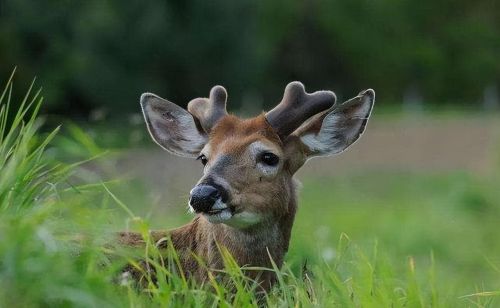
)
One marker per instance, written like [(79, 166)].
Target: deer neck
[(252, 245)]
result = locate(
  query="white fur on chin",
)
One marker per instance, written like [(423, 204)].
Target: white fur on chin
[(240, 220)]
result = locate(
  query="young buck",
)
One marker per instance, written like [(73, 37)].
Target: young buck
[(246, 199)]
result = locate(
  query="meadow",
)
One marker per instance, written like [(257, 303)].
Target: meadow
[(362, 238)]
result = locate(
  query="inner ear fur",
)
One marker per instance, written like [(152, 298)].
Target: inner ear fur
[(332, 131), (172, 127)]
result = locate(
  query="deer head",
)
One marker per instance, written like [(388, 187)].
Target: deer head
[(248, 164)]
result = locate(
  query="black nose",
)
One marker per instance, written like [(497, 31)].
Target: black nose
[(203, 197)]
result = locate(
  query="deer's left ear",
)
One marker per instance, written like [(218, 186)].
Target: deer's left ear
[(172, 127), (334, 130)]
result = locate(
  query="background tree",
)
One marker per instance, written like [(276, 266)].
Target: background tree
[(103, 54)]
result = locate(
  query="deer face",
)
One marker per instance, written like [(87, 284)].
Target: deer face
[(248, 164)]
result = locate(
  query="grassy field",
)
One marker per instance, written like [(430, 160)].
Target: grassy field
[(363, 239)]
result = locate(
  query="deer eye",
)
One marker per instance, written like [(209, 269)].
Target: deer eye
[(269, 159), (203, 159)]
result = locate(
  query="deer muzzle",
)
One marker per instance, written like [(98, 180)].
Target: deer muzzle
[(203, 198)]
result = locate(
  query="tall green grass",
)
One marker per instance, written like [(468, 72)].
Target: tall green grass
[(54, 245), (24, 171), (38, 263)]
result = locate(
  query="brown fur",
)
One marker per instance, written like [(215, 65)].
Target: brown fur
[(261, 196), (250, 246)]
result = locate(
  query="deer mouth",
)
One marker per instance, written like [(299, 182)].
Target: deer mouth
[(219, 212), (215, 212), (218, 216)]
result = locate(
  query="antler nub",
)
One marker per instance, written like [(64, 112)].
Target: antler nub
[(209, 110), (297, 106)]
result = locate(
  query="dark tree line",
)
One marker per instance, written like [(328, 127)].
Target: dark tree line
[(94, 53)]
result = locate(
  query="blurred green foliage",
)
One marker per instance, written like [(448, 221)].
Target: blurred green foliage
[(102, 54)]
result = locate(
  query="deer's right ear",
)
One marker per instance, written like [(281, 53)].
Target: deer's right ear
[(172, 127)]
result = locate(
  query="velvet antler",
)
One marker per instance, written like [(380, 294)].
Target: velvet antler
[(297, 106), (209, 110)]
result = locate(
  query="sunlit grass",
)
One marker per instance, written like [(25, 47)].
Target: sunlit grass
[(372, 240)]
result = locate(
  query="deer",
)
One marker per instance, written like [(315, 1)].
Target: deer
[(246, 199)]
